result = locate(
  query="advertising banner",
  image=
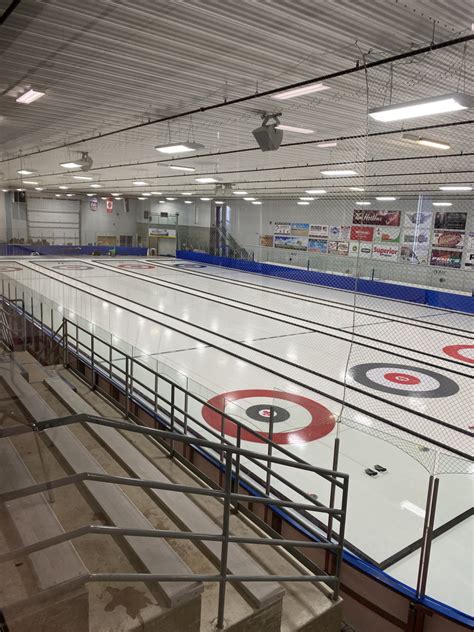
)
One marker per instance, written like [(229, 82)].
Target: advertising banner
[(360, 249), (445, 258), (343, 248), (414, 253), (469, 263), (332, 247), (299, 230), (362, 233), (450, 221), (448, 239), (418, 218), (282, 228), (345, 232), (416, 236), (387, 252), (317, 246), (291, 242), (318, 230), (376, 218), (163, 232), (266, 241), (93, 203), (109, 205), (388, 234)]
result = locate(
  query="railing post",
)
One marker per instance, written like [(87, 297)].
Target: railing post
[(172, 419), (340, 540), (332, 496), (127, 387), (430, 511), (65, 343), (270, 450), (92, 362), (235, 485), (225, 542), (185, 427)]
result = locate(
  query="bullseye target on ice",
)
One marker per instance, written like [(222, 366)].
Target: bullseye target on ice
[(188, 265), (135, 266), (296, 419), (399, 379), (73, 266), (465, 353)]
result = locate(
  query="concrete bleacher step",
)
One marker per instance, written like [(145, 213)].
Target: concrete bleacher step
[(182, 599)]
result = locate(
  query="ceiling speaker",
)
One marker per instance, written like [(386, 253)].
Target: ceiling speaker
[(268, 137)]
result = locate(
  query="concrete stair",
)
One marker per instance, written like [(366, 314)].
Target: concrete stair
[(180, 607)]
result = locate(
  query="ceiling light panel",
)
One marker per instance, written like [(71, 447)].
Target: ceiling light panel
[(29, 96), (303, 91), (295, 130), (422, 107), (178, 148)]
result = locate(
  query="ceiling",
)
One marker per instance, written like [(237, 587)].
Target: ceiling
[(118, 64)]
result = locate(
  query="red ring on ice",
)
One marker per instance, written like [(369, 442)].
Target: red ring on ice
[(322, 420), (135, 265), (402, 378), (454, 352)]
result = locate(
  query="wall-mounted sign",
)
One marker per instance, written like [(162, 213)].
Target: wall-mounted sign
[(387, 252), (418, 218), (360, 249), (362, 233), (266, 241), (450, 221), (448, 239), (319, 246), (318, 230), (291, 242), (445, 258), (93, 203), (282, 228), (109, 205), (387, 234), (300, 230), (163, 232), (376, 218)]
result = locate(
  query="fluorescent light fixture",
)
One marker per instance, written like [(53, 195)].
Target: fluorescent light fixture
[(363, 203), (306, 199), (239, 192), (329, 143), (386, 198), (156, 193), (303, 203), (70, 165), (339, 172), (29, 96), (83, 177), (296, 130), (115, 194), (104, 198), (140, 183), (316, 191), (356, 189), (146, 194), (170, 199), (178, 148), (38, 188), (25, 172), (69, 194), (119, 198), (58, 194), (256, 202), (422, 107), (188, 201), (140, 198), (20, 189), (29, 182), (90, 194), (96, 186), (207, 180), (300, 92), (442, 204), (63, 186), (205, 199), (428, 142), (177, 167), (250, 199), (161, 201), (218, 202), (186, 193), (455, 188), (5, 190)]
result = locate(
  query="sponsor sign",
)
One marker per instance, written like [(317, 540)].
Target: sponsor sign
[(414, 253), (469, 263), (300, 230), (334, 232), (343, 248), (163, 232), (109, 205), (445, 258), (417, 236), (360, 249), (282, 228), (317, 245), (266, 241), (332, 247), (418, 218), (450, 221), (93, 203), (387, 234), (385, 251), (290, 242), (318, 230), (448, 239), (362, 233), (376, 218)]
